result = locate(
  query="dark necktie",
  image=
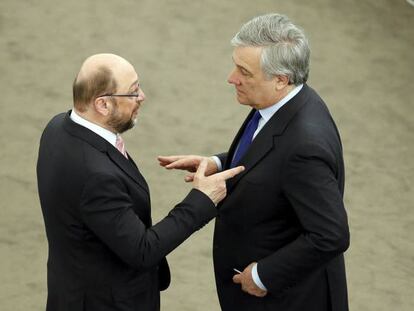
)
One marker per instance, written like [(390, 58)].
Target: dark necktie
[(246, 138)]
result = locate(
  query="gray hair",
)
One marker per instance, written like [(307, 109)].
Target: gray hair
[(285, 47)]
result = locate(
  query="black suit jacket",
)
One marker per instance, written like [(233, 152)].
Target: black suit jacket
[(286, 212), (104, 253)]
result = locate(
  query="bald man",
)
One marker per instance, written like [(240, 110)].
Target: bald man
[(104, 252)]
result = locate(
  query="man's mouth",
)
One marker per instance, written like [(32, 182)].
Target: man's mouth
[(137, 108)]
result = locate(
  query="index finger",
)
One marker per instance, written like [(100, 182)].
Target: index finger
[(169, 159), (227, 174)]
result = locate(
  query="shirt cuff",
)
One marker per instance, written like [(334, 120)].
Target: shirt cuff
[(218, 163), (256, 278)]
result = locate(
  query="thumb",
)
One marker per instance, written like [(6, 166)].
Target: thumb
[(189, 177), (237, 279), (201, 171)]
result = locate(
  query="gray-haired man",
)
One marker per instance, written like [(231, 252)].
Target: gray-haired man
[(283, 225)]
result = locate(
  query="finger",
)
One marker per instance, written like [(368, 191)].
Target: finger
[(237, 278), (179, 164), (189, 177), (169, 159), (201, 171), (182, 164), (231, 172), (164, 159), (259, 294)]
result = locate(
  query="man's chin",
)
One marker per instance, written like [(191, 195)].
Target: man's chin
[(126, 126), (131, 124), (241, 99), (242, 102)]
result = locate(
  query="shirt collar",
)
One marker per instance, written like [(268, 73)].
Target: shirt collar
[(103, 132), (268, 112)]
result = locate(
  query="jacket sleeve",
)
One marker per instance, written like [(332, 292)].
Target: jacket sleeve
[(106, 209), (311, 186), (223, 158)]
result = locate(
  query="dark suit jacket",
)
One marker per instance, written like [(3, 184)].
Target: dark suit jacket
[(104, 253), (286, 212)]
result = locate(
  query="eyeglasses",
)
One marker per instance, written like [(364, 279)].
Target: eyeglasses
[(122, 95)]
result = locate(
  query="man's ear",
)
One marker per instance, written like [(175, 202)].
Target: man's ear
[(102, 106), (281, 82)]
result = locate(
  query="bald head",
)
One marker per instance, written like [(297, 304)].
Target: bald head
[(99, 74), (116, 63)]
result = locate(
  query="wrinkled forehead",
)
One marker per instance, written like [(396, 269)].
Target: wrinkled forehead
[(247, 57)]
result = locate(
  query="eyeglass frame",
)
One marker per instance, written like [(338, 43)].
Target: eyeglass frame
[(120, 95), (124, 95)]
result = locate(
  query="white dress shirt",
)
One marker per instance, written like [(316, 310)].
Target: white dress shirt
[(266, 114), (99, 130)]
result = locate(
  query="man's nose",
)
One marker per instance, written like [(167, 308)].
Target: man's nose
[(141, 96), (232, 78)]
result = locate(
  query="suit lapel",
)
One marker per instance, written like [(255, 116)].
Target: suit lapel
[(257, 150), (127, 166), (264, 141)]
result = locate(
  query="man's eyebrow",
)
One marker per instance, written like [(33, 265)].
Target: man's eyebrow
[(133, 83), (240, 66), (243, 68)]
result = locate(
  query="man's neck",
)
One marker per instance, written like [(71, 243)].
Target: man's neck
[(285, 91), (279, 96), (95, 127), (89, 117)]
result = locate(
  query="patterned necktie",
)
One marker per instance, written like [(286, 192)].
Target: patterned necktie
[(246, 138), (120, 145)]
